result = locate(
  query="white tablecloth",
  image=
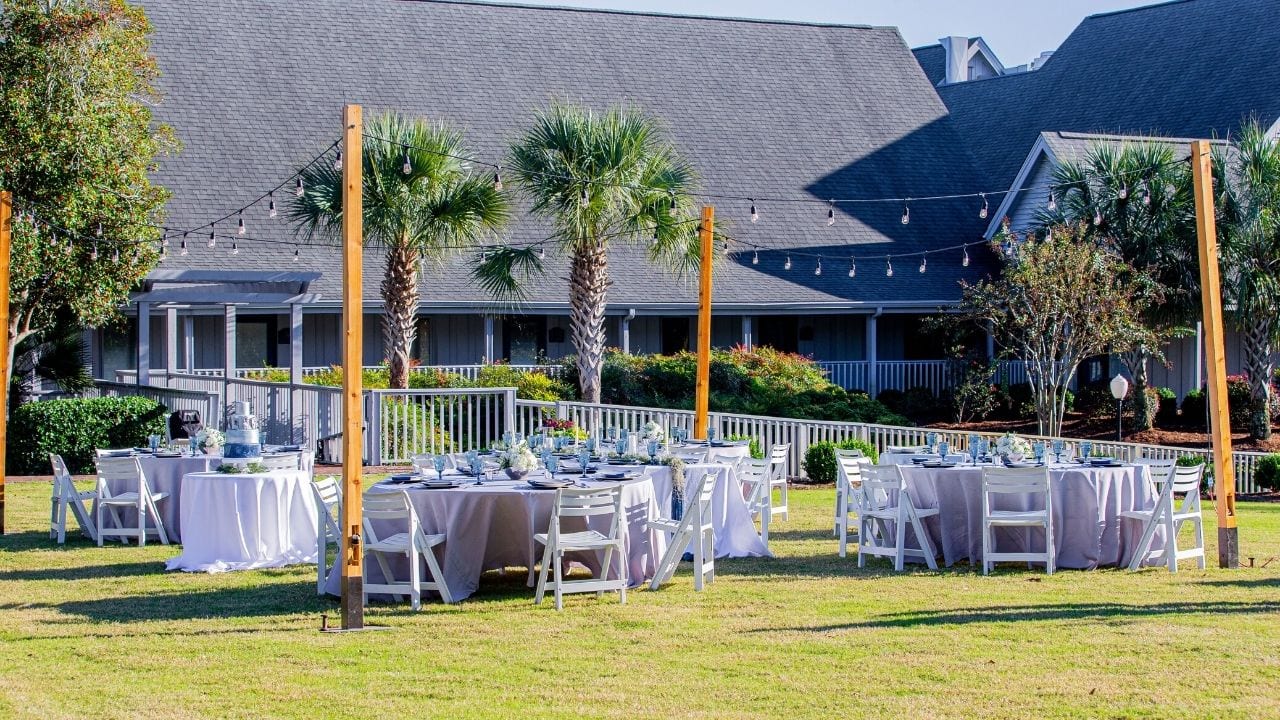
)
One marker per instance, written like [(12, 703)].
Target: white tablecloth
[(164, 475), (240, 522), (1088, 530), (491, 526), (735, 532), (908, 458)]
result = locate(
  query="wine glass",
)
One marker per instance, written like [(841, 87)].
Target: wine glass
[(591, 446), (1037, 449), (711, 434), (931, 439), (653, 450), (621, 447), (439, 461), (477, 468), (944, 449), (584, 460), (1086, 449), (1058, 447)]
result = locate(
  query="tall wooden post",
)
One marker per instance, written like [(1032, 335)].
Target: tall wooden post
[(1224, 480), (706, 233), (352, 561), (6, 229)]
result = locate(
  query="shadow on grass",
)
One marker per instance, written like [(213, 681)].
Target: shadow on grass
[(242, 602), (1273, 583), (87, 572), (29, 540), (1043, 613)]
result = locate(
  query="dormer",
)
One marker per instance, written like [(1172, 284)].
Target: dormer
[(968, 59)]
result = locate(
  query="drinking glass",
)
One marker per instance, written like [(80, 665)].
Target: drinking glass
[(931, 439), (591, 446), (711, 434), (552, 463), (584, 460), (621, 447), (613, 433), (477, 469), (653, 449), (1058, 447), (1086, 449), (944, 449), (439, 461), (1037, 449)]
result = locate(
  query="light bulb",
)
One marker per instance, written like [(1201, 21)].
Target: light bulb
[(1097, 217), (818, 270), (407, 168), (983, 212), (271, 206), (94, 254), (853, 267), (755, 216), (235, 249), (755, 257), (964, 262), (582, 196), (787, 265), (654, 241), (906, 213), (497, 179), (297, 188), (1146, 194), (924, 263), (182, 248), (99, 233), (213, 238), (1124, 192), (337, 161), (1053, 203), (115, 256), (888, 267), (297, 255), (542, 252), (672, 208), (240, 223), (164, 239), (831, 214)]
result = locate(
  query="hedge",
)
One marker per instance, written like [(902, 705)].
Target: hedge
[(75, 427), (1267, 472), (820, 458)]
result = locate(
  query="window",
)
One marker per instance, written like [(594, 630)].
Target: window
[(675, 334)]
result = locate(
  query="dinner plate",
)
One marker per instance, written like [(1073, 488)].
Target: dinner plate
[(618, 476), (1022, 464), (438, 485), (938, 464), (162, 454), (397, 479), (549, 484)]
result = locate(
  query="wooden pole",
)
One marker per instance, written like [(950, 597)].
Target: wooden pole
[(352, 562), (6, 229), (1224, 480), (706, 233)]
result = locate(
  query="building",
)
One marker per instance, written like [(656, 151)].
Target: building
[(763, 109)]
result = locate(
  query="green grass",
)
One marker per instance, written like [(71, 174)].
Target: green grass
[(107, 633)]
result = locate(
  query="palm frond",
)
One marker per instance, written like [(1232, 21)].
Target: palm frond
[(505, 272)]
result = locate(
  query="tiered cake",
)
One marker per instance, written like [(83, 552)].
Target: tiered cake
[(243, 445)]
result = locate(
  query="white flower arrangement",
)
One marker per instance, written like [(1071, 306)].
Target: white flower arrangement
[(1009, 445), (653, 431), (210, 437), (519, 458)]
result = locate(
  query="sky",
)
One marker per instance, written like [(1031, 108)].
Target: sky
[(1017, 30)]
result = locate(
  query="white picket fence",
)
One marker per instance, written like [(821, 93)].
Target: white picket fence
[(906, 374)]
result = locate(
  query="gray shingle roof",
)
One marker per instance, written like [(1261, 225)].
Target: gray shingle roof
[(1193, 68), (933, 60), (764, 109)]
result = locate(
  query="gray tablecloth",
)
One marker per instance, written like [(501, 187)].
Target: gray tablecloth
[(491, 526), (1088, 530)]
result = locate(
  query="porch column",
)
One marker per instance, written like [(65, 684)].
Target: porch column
[(297, 423), (748, 332), (1198, 382), (626, 334), (488, 339), (144, 343), (171, 340), (189, 342), (873, 380), (229, 344)]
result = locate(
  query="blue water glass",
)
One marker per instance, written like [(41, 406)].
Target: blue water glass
[(591, 446), (1037, 449), (931, 439), (944, 449), (477, 466), (439, 461), (508, 438), (584, 459), (624, 434), (612, 434), (1086, 449), (621, 447), (711, 433), (154, 442), (552, 463), (653, 449)]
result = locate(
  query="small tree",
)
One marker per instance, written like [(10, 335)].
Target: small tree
[(1060, 299)]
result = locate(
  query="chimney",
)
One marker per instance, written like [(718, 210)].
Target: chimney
[(957, 47)]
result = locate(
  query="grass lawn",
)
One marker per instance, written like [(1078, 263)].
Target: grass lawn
[(89, 632)]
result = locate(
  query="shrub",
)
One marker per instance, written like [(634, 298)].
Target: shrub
[(411, 419), (1267, 472), (1194, 406), (820, 458), (268, 374), (75, 427), (1239, 398), (919, 404), (892, 399), (1167, 410), (757, 452), (528, 385), (1095, 401)]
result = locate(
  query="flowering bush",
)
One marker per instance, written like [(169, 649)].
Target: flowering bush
[(1010, 444)]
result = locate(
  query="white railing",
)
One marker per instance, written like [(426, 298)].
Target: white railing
[(205, 403), (470, 372), (402, 423), (531, 414), (906, 374)]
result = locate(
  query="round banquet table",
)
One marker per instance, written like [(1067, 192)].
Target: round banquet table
[(735, 531), (245, 521), (908, 458), (1087, 502), (164, 475), (491, 526), (702, 451)]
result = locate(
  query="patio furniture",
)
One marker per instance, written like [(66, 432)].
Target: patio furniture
[(328, 494), (774, 478), (883, 499), (694, 528), (131, 493), (65, 496), (1019, 484), (1169, 515), (413, 543), (848, 481), (282, 461), (735, 531), (583, 503)]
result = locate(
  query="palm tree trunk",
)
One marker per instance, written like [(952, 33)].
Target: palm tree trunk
[(400, 311), (1136, 362), (1257, 358), (588, 294)]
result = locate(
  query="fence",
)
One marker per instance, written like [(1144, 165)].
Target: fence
[(470, 372), (402, 423), (906, 374), (205, 403)]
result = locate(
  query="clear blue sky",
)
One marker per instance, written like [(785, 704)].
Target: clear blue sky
[(1017, 30)]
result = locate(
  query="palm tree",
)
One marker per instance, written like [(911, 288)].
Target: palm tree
[(1247, 180), (602, 179), (1135, 199), (421, 201)]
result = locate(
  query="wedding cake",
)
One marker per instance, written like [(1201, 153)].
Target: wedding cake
[(243, 444)]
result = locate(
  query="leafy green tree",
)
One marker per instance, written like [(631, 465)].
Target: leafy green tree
[(77, 149), (1247, 181), (1058, 300), (1135, 199), (601, 179), (439, 207)]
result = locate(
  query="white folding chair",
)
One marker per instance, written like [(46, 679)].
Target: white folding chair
[(693, 455), (883, 498), (66, 496), (283, 461), (1170, 515), (141, 499), (328, 494), (724, 457), (1027, 483), (848, 481), (414, 544), (583, 503), (695, 527), (762, 487)]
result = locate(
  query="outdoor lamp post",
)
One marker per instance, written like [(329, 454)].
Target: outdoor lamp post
[(1119, 388)]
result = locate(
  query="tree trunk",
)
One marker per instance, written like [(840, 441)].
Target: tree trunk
[(588, 294), (1136, 362), (400, 311), (1257, 358)]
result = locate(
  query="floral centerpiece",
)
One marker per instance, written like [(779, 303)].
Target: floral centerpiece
[(518, 460), (209, 439), (653, 431), (1012, 447)]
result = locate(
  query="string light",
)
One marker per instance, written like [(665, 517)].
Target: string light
[(1124, 192), (654, 241), (964, 262), (271, 205), (1097, 217), (831, 213), (787, 265), (297, 188), (93, 256), (672, 208), (1053, 203), (182, 248), (818, 269), (1146, 194), (115, 255), (213, 237), (240, 223), (755, 216), (906, 212), (853, 267), (297, 255), (235, 249), (983, 212), (755, 257), (337, 160), (497, 178), (99, 233), (542, 252), (582, 196), (924, 263), (407, 168), (888, 267)]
